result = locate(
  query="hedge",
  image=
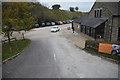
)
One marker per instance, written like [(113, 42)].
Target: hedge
[(92, 46), (95, 44)]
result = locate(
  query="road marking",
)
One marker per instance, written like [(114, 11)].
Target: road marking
[(54, 57)]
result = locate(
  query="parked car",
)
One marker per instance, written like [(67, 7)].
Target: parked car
[(52, 23), (55, 29), (57, 23), (64, 22), (70, 21), (13, 29), (36, 25), (61, 22), (42, 24), (47, 23), (67, 21)]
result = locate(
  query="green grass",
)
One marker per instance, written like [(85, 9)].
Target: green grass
[(21, 44), (66, 15), (45, 14), (92, 51)]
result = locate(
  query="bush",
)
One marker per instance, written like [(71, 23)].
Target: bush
[(91, 51), (92, 46)]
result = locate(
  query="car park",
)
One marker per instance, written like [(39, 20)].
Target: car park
[(64, 22), (47, 23), (67, 21), (42, 24), (70, 21), (36, 25), (52, 23), (55, 29), (57, 23), (60, 22)]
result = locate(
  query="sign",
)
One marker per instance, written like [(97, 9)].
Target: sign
[(105, 48), (109, 48), (115, 49)]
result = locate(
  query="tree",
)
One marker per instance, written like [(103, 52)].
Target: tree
[(72, 9), (56, 6), (76, 8), (16, 14)]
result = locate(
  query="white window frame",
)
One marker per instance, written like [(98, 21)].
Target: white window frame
[(98, 13)]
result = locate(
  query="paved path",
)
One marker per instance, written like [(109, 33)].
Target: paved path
[(54, 55)]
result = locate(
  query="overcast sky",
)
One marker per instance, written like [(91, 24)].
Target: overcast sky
[(65, 4)]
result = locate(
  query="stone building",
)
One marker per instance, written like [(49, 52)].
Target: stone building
[(102, 22)]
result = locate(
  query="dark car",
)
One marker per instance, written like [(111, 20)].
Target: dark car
[(57, 23), (47, 23), (42, 24)]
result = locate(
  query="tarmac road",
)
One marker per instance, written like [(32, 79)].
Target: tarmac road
[(53, 56)]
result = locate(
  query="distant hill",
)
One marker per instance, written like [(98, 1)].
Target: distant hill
[(44, 14)]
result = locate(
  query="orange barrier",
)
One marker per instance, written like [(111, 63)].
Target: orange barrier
[(105, 48)]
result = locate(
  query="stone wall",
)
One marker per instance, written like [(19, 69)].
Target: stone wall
[(78, 30), (108, 35), (107, 30), (115, 29), (105, 11)]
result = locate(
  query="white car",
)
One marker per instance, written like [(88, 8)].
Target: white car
[(60, 22), (55, 29), (52, 23)]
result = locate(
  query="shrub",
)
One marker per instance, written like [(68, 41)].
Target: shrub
[(95, 44), (92, 46)]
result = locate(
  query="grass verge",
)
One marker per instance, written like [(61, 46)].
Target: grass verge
[(16, 47), (92, 51)]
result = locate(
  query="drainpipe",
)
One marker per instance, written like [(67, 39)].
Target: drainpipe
[(111, 29), (95, 33)]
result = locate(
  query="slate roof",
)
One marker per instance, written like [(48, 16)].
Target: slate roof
[(91, 22)]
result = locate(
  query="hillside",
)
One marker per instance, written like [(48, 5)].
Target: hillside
[(44, 14), (64, 15)]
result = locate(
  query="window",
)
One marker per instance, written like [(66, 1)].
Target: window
[(95, 13), (98, 13)]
